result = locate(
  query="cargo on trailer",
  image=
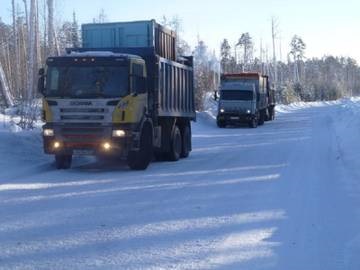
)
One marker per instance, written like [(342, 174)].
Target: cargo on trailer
[(137, 34)]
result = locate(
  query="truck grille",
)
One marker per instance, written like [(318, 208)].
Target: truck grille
[(85, 134), (76, 114), (82, 110), (83, 117)]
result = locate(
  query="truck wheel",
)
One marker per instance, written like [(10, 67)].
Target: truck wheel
[(262, 117), (176, 145), (220, 124), (140, 160), (186, 142), (253, 123), (272, 114), (63, 161), (267, 115)]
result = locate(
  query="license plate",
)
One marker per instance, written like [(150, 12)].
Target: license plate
[(83, 152), (235, 118)]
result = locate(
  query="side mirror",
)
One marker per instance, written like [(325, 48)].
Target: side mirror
[(41, 81), (41, 72), (215, 95)]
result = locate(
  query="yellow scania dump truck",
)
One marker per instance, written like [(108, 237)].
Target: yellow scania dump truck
[(125, 94)]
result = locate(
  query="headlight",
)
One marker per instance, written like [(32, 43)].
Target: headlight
[(118, 133), (222, 110), (57, 145), (48, 132), (248, 111), (106, 146)]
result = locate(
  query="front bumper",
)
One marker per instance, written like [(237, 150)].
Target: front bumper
[(235, 117), (88, 140)]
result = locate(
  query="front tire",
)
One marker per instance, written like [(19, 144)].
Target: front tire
[(63, 162), (220, 124), (253, 123), (140, 159)]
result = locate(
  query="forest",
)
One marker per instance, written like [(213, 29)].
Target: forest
[(35, 33)]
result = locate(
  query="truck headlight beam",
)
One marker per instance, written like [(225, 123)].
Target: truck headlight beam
[(118, 133), (48, 132), (106, 146), (57, 145)]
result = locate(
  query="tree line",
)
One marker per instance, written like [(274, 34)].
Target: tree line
[(34, 34)]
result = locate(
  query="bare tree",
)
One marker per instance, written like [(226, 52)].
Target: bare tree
[(274, 36), (175, 24), (16, 50), (51, 29)]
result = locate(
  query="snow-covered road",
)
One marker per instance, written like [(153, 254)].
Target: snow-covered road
[(283, 196)]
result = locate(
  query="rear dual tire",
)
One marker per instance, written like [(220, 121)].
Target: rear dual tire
[(176, 145), (186, 142), (180, 145)]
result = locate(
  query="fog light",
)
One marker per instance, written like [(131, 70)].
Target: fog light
[(48, 132), (57, 145), (118, 133), (106, 146)]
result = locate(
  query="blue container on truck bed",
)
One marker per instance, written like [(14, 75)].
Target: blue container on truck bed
[(137, 34)]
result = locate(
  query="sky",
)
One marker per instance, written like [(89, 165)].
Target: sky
[(327, 27)]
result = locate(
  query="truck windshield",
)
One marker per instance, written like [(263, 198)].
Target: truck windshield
[(236, 95), (87, 81)]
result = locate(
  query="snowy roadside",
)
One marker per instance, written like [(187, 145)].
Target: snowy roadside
[(278, 197)]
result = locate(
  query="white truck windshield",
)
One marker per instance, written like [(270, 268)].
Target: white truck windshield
[(87, 81)]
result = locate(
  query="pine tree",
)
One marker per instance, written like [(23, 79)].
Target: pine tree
[(226, 59), (245, 41), (298, 47)]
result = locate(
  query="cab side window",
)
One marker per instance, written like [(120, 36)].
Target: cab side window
[(138, 79)]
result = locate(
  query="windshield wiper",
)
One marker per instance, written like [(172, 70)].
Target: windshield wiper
[(91, 95)]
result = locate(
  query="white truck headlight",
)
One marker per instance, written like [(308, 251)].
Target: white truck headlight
[(118, 133), (48, 132)]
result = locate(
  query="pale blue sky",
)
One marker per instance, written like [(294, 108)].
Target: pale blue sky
[(327, 27)]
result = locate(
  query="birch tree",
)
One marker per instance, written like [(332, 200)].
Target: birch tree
[(51, 28), (16, 50), (5, 90)]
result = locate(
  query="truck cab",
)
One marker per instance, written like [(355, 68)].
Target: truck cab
[(244, 98), (237, 103), (94, 103)]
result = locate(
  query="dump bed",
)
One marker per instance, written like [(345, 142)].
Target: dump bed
[(175, 91), (137, 34)]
